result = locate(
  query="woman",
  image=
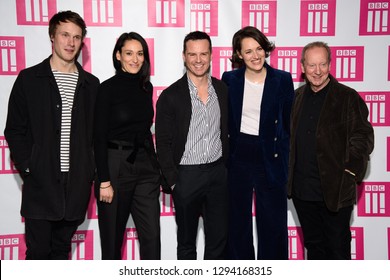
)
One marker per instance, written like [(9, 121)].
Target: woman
[(128, 174), (260, 99)]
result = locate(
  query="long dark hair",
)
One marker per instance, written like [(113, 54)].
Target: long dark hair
[(249, 32), (145, 69)]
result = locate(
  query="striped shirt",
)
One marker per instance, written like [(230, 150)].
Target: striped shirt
[(204, 143), (66, 83)]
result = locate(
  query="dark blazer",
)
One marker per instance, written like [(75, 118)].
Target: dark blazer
[(33, 131), (274, 127), (345, 139), (173, 116)]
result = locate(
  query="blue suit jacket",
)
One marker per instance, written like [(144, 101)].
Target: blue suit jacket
[(274, 130)]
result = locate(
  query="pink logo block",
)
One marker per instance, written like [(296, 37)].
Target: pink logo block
[(167, 206), (357, 243), (166, 13), (378, 104), (30, 12), (150, 42), (348, 63), (85, 56), (12, 57), (12, 247), (221, 60), (204, 16), (92, 207), (318, 17), (374, 17), (130, 249), (103, 12), (82, 245), (288, 59), (6, 165), (261, 14), (157, 90), (296, 249), (374, 199)]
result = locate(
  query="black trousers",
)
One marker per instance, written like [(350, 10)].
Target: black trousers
[(136, 192), (50, 240), (326, 234), (201, 190)]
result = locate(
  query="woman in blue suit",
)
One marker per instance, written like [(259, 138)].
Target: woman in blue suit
[(260, 99)]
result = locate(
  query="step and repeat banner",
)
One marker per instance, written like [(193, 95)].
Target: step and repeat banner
[(357, 31)]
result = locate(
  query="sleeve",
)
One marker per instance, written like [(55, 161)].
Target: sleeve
[(101, 131), (360, 138), (165, 133), (288, 88), (17, 131)]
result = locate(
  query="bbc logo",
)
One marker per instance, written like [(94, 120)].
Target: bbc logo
[(12, 247), (6, 165), (318, 18), (261, 14), (378, 104), (288, 59), (374, 199), (12, 56), (374, 17), (35, 12), (103, 12)]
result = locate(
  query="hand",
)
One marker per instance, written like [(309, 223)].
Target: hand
[(106, 192)]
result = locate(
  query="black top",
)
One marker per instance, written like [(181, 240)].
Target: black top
[(307, 184), (124, 112)]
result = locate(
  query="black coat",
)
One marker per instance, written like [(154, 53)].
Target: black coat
[(33, 131), (345, 139), (173, 117)]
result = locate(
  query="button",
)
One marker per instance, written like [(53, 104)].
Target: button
[(276, 121), (276, 155), (58, 105), (276, 139)]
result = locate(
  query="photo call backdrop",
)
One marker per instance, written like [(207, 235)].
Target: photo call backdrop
[(357, 31)]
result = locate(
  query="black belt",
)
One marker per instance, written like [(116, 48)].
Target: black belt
[(116, 146), (203, 165)]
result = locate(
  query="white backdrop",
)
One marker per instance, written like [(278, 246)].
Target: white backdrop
[(358, 32)]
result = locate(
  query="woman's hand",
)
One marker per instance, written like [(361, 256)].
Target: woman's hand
[(106, 192)]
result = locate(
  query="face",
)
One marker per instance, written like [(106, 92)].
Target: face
[(67, 42), (252, 54), (316, 68), (197, 58), (131, 56)]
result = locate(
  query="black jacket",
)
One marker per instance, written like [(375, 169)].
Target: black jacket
[(173, 116), (33, 131), (345, 139)]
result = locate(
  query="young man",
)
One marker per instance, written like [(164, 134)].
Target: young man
[(331, 140), (192, 144), (49, 133)]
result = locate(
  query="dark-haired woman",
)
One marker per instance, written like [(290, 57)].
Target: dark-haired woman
[(128, 174), (260, 99)]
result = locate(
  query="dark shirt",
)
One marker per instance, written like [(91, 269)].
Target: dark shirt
[(124, 112), (307, 184)]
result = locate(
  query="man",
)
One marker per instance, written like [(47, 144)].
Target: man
[(49, 133), (331, 140), (192, 144)]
